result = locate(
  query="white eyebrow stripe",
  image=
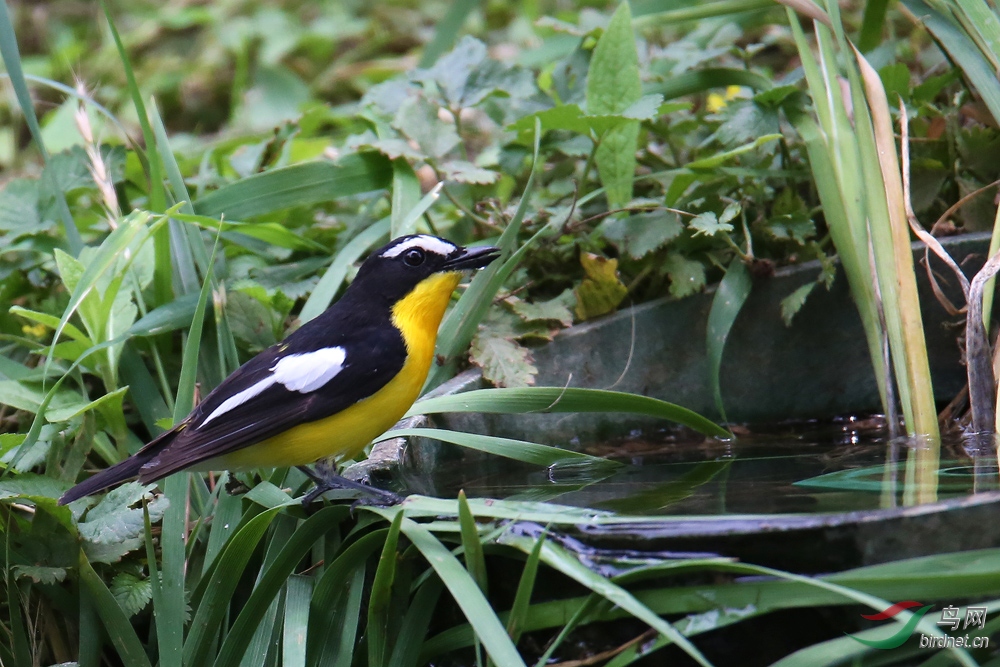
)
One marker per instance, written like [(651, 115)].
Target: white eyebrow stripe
[(429, 243), (309, 371), (240, 398), (303, 373)]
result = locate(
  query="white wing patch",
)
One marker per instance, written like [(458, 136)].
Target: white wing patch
[(240, 398), (303, 373), (310, 370), (424, 242)]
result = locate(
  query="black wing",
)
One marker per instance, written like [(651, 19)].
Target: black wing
[(374, 355)]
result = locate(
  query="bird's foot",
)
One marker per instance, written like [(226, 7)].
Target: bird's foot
[(370, 495)]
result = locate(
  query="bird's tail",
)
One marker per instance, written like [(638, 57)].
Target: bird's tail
[(119, 472)]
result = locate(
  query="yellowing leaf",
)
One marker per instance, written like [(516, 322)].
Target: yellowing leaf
[(505, 363), (601, 291)]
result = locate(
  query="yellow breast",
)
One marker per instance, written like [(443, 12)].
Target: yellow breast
[(417, 316)]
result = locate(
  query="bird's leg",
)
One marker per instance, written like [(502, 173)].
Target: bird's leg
[(333, 481)]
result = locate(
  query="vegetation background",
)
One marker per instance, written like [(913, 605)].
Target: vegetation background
[(186, 182)]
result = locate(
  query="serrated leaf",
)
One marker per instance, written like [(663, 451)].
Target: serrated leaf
[(461, 171), (19, 214), (31, 486), (708, 224), (798, 228), (686, 275), (418, 120), (646, 107), (553, 310), (505, 363), (132, 593), (40, 574), (113, 527), (615, 160), (613, 82), (793, 303), (745, 120), (640, 234), (601, 291), (252, 322), (730, 212)]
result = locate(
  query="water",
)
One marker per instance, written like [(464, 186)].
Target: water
[(834, 466)]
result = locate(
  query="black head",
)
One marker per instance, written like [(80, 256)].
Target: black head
[(392, 271)]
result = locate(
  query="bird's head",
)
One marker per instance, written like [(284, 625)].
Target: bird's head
[(433, 263)]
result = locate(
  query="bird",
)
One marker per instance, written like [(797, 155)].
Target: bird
[(329, 388)]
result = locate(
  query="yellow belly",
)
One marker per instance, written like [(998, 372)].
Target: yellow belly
[(346, 433)]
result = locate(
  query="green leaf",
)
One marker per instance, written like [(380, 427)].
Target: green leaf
[(505, 362), (466, 593), (461, 171), (732, 293), (707, 224), (563, 561), (519, 450), (132, 593), (417, 118), (640, 234), (379, 641), (115, 620), (51, 321), (601, 291), (298, 185), (220, 585), (568, 399), (613, 85), (114, 527), (613, 82), (571, 117), (793, 303), (686, 275), (615, 159), (257, 325), (298, 590), (553, 310)]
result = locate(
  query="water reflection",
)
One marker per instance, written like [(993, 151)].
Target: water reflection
[(843, 465)]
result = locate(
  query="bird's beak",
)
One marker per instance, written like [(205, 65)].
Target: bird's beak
[(471, 258)]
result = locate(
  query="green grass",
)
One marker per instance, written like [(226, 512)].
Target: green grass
[(258, 153)]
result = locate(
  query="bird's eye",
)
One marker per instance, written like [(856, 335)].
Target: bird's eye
[(414, 257)]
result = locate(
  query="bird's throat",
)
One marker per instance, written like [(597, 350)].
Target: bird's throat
[(418, 314)]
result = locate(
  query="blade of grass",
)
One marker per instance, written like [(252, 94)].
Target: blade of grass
[(380, 643), (697, 81), (406, 652), (702, 10), (567, 564), (170, 625), (525, 586), (963, 50), (11, 55), (872, 22), (298, 185), (464, 590), (347, 571), (237, 639), (405, 197), (519, 450), (298, 591), (732, 293), (118, 627), (516, 400), (219, 585), (447, 30)]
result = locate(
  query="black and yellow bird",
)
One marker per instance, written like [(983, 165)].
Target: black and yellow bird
[(330, 387)]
